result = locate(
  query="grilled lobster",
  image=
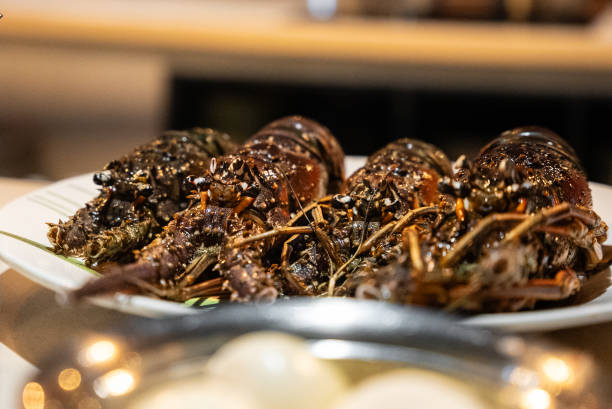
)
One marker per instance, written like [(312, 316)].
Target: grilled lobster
[(290, 162), (139, 193), (521, 228)]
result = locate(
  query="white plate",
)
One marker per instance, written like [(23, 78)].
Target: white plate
[(27, 215)]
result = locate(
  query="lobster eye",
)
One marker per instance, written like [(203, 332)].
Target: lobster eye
[(453, 187), (200, 182), (213, 164), (507, 169), (340, 201), (250, 189), (145, 189), (391, 205), (461, 163), (103, 178), (167, 156)]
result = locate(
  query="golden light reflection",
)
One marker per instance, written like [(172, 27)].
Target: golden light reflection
[(33, 396), (69, 379), (536, 399), (99, 352), (523, 377), (557, 371), (89, 403), (114, 383), (53, 404)]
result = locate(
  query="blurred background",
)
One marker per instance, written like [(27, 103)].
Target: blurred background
[(83, 82)]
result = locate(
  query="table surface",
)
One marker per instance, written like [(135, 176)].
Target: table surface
[(33, 323)]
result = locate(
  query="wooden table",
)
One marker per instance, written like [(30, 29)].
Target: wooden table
[(277, 41), (33, 324)]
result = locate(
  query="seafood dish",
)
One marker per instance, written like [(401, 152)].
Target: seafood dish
[(509, 230)]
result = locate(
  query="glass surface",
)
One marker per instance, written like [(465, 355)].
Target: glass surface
[(360, 340)]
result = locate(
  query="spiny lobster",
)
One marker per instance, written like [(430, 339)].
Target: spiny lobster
[(361, 227), (521, 227), (291, 161), (139, 193)]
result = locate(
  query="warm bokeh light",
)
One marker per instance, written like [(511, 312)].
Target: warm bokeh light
[(523, 377), (114, 383), (322, 9), (54, 404), (536, 399), (99, 352), (557, 371), (33, 396), (69, 379), (512, 345), (89, 403)]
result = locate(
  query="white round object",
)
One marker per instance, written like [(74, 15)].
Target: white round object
[(408, 389), (196, 393), (278, 370)]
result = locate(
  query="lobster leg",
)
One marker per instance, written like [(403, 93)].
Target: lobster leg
[(297, 285), (319, 222), (416, 258), (583, 234), (564, 284), (550, 215), (209, 288), (308, 208), (410, 215), (393, 227), (367, 245), (198, 266), (464, 244), (174, 249), (271, 233), (583, 237)]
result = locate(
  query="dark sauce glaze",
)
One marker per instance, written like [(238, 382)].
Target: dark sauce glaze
[(145, 187), (312, 137), (402, 176), (289, 162), (529, 162)]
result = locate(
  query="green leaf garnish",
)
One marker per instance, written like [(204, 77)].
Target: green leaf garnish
[(49, 250), (199, 302)]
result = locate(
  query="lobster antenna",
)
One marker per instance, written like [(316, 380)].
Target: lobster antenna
[(297, 199), (338, 273)]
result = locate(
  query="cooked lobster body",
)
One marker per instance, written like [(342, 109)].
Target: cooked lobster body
[(139, 193), (361, 227), (507, 230), (289, 162), (528, 163), (521, 228)]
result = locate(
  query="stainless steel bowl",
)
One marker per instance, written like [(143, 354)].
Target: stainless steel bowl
[(343, 330)]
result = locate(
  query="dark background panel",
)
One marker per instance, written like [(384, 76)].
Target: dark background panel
[(364, 119)]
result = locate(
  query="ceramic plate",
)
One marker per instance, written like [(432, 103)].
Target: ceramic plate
[(27, 215)]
